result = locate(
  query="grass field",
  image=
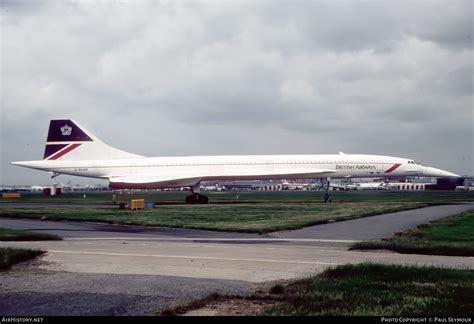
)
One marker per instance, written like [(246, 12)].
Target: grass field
[(11, 256), (380, 290), (259, 218), (17, 235), (232, 211), (261, 197), (353, 290), (449, 236)]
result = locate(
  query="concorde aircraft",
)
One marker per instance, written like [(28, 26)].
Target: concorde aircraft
[(73, 150)]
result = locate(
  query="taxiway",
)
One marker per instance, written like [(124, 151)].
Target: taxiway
[(226, 262)]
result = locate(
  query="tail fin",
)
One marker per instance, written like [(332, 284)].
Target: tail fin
[(67, 140)]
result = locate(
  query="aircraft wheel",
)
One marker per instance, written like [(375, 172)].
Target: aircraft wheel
[(197, 199), (202, 199), (191, 199), (327, 198)]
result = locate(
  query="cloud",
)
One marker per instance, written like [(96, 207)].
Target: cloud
[(240, 78)]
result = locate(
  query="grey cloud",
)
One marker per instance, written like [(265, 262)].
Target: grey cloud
[(241, 77)]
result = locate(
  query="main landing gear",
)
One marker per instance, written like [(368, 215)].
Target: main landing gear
[(327, 196), (196, 197)]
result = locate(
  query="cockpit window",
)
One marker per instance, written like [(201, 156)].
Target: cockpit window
[(414, 162)]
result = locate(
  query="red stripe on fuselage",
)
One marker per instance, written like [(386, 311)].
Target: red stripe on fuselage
[(65, 151), (395, 166)]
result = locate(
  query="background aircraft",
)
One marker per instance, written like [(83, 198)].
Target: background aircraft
[(371, 186), (294, 185)]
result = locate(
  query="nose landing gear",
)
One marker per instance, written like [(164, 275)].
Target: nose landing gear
[(327, 196)]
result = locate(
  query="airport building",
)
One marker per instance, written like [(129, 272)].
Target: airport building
[(251, 185), (407, 186)]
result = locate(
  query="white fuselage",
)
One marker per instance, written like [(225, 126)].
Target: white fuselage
[(194, 169)]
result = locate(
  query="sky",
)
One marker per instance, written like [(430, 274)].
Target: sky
[(165, 78)]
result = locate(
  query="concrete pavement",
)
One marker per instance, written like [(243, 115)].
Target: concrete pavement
[(129, 259)]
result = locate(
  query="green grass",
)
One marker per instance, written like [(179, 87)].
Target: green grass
[(449, 236), (259, 217), (17, 235), (11, 256), (233, 211), (380, 290), (261, 197)]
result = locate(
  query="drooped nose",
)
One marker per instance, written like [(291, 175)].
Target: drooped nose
[(438, 173)]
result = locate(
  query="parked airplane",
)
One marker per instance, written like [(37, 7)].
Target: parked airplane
[(336, 186), (71, 149), (294, 185), (215, 187), (371, 186)]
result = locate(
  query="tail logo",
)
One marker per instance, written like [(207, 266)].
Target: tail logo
[(66, 130)]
